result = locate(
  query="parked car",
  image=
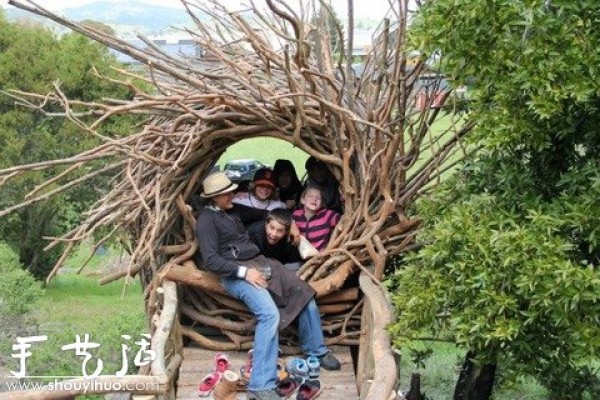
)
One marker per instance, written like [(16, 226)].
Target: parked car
[(241, 170)]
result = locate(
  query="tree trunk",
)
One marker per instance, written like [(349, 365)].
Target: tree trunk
[(414, 392), (475, 383)]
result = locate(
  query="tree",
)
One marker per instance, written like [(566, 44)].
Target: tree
[(514, 235), (32, 58)]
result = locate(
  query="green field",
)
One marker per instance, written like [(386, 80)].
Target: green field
[(267, 151)]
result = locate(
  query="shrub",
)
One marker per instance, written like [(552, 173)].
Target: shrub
[(19, 291)]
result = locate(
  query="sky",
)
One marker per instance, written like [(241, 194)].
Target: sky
[(370, 9)]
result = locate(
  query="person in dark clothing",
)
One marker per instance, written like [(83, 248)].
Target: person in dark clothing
[(320, 177), (227, 250), (288, 183), (272, 238)]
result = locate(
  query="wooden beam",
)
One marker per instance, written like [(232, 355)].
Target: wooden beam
[(384, 378)]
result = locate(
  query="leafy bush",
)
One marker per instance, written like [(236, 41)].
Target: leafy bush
[(508, 288), (19, 291)]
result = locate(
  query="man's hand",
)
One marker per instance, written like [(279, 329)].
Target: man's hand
[(295, 234), (256, 278)]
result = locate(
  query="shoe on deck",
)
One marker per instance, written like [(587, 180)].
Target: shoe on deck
[(297, 367), (309, 390), (208, 383), (221, 363), (314, 367), (287, 387), (329, 362)]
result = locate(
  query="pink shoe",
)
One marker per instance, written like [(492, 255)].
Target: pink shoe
[(208, 383), (221, 363)]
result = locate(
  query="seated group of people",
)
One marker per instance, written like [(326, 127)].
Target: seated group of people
[(241, 234), (315, 206)]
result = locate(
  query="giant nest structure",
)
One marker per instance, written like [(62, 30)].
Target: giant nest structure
[(266, 72)]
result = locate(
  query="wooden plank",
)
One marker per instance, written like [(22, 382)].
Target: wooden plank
[(197, 363)]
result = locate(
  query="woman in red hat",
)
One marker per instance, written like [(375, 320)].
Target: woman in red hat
[(255, 205)]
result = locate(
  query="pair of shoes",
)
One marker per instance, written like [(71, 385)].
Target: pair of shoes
[(329, 362), (226, 389), (297, 367), (208, 383), (314, 366), (285, 388), (262, 395), (309, 390)]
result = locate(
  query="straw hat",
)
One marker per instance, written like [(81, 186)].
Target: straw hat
[(216, 184)]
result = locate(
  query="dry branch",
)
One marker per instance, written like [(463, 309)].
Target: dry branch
[(266, 73)]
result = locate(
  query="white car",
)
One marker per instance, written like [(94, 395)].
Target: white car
[(241, 170)]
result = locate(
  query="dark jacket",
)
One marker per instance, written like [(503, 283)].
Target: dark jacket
[(293, 191), (283, 251), (225, 245)]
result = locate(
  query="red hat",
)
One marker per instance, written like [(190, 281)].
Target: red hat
[(265, 176)]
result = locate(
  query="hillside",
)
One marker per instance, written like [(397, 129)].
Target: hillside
[(124, 17)]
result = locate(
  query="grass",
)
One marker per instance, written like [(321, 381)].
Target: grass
[(80, 302), (267, 151), (77, 305), (441, 372)]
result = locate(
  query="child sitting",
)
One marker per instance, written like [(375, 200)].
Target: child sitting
[(315, 222)]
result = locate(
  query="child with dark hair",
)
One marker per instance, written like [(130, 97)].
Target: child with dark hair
[(272, 237), (288, 183), (315, 222)]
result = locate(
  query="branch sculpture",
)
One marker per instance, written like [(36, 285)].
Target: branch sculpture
[(265, 72)]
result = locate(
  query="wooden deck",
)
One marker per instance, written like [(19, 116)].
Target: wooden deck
[(197, 363)]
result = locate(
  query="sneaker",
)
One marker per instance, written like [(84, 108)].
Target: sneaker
[(287, 387), (329, 362), (297, 367), (314, 367), (221, 363), (208, 383), (309, 390), (262, 395)]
